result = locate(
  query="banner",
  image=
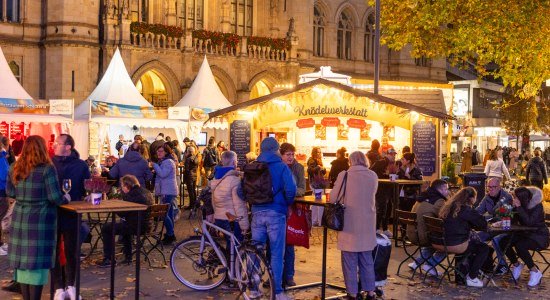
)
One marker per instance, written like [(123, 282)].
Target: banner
[(61, 107), (127, 111), (24, 106), (178, 113)]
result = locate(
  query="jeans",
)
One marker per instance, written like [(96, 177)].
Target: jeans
[(480, 251), (191, 183), (362, 262), (288, 267), (430, 256), (231, 227), (172, 212), (121, 228), (271, 225)]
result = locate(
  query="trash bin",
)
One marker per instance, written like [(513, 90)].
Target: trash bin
[(477, 181)]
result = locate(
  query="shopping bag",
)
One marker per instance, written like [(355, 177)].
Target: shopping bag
[(297, 229)]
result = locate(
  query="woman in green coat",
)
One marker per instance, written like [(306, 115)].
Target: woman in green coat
[(32, 181)]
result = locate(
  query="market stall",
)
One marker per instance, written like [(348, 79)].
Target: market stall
[(20, 114), (116, 107), (329, 115), (204, 97)]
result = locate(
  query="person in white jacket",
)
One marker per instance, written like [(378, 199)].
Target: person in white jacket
[(230, 210), (496, 167)]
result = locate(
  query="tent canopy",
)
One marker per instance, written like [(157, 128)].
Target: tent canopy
[(115, 87), (326, 73), (10, 88), (204, 91)]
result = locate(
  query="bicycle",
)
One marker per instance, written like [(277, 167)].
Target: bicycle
[(199, 263)]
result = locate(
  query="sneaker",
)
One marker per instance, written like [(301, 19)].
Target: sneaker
[(534, 278), (3, 252), (105, 263), (473, 282), (60, 294), (388, 234), (432, 271), (71, 292), (282, 296), (290, 282), (516, 271), (501, 270), (255, 294), (413, 266)]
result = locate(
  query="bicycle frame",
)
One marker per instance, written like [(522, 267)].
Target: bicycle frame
[(233, 251)]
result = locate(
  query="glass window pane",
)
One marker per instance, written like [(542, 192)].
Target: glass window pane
[(339, 43)]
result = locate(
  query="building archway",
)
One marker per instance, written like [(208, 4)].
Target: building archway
[(259, 89), (156, 75), (225, 83), (263, 83)]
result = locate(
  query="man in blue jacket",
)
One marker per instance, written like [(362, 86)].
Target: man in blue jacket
[(69, 166), (269, 220)]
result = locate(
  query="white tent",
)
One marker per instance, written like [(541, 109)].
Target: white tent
[(116, 87), (204, 92), (326, 73), (13, 94)]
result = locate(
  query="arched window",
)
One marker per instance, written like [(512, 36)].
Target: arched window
[(15, 69), (9, 10), (241, 17), (190, 13), (343, 43), (318, 32), (368, 50)]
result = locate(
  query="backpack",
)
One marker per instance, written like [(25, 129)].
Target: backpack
[(206, 198), (257, 183), (209, 157)]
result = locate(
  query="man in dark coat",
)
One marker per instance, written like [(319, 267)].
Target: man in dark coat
[(69, 166), (132, 192)]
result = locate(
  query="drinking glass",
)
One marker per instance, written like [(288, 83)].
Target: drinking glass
[(66, 186)]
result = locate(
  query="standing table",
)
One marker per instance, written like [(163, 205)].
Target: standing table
[(310, 200), (395, 186), (108, 206)]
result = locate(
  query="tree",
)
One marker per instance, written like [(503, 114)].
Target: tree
[(513, 35), (518, 116)]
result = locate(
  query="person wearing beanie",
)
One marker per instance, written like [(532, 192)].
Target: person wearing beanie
[(269, 220)]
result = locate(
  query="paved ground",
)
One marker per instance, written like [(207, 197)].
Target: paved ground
[(159, 283)]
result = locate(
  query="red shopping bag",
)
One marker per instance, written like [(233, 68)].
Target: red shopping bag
[(297, 229), (62, 258)]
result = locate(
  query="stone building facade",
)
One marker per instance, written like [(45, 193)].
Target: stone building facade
[(60, 48)]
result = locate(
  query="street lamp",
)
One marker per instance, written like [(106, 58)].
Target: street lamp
[(376, 45)]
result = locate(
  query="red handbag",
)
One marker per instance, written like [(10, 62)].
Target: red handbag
[(297, 229)]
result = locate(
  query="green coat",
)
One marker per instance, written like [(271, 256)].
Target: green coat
[(34, 221)]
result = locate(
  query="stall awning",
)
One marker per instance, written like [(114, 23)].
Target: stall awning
[(383, 99), (432, 100), (150, 123)]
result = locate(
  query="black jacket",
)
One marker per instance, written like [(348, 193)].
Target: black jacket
[(73, 168), (536, 170), (533, 216), (338, 165), (414, 174), (457, 230), (191, 166), (431, 196), (139, 195)]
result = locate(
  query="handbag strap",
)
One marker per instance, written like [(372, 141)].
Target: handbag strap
[(343, 187)]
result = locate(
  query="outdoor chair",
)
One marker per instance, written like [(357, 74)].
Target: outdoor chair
[(95, 222), (404, 219), (542, 252), (436, 233), (153, 238)]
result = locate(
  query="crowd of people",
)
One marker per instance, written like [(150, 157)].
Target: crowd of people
[(147, 170)]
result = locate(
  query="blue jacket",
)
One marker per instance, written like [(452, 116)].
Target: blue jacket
[(165, 182), (132, 164), (489, 206), (4, 167), (73, 168), (283, 184)]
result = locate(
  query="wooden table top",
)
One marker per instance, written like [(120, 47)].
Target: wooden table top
[(402, 181), (513, 228), (310, 199), (114, 205)]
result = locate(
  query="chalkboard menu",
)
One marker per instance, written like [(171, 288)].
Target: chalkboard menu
[(239, 139), (424, 146)]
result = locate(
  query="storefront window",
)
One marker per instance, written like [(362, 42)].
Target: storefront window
[(241, 17), (345, 27), (368, 50), (318, 31)]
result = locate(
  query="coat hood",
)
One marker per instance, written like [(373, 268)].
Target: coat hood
[(537, 197), (132, 156), (269, 157), (215, 182), (431, 195)]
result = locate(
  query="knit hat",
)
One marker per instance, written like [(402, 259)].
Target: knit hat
[(269, 144)]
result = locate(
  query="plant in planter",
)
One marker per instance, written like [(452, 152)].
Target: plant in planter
[(448, 169), (318, 183), (96, 187)]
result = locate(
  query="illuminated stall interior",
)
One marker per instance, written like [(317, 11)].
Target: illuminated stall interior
[(330, 115)]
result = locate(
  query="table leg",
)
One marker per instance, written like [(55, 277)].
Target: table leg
[(138, 250), (395, 206), (77, 254), (113, 219), (324, 263), (490, 279)]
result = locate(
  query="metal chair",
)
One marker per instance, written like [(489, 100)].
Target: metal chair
[(542, 252), (404, 219), (157, 213)]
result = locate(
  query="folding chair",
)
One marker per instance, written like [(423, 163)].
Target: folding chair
[(154, 236), (542, 252), (436, 233), (96, 221), (404, 219)]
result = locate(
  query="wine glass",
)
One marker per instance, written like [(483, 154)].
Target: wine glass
[(66, 186)]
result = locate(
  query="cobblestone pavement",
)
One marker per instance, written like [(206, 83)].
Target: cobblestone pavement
[(159, 283)]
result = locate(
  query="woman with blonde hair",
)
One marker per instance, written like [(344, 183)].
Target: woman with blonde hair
[(495, 166), (33, 182), (459, 218), (357, 188)]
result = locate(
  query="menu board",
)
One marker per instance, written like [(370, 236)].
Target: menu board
[(16, 128), (239, 139), (424, 146), (4, 129)]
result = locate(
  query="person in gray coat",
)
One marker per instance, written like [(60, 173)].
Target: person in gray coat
[(536, 171), (132, 164)]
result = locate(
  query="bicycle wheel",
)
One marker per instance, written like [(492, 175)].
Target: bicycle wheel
[(199, 270), (254, 276)]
